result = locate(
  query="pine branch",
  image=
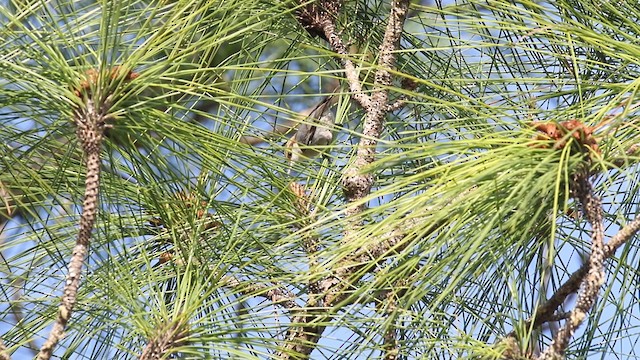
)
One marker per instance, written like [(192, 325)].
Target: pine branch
[(323, 21), (388, 305), (3, 352), (167, 338), (546, 312), (592, 207), (91, 123), (309, 323)]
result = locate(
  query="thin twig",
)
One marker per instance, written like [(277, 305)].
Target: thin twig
[(278, 294), (351, 73), (17, 310), (398, 104), (620, 161)]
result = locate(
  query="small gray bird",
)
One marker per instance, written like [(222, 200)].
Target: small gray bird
[(314, 132)]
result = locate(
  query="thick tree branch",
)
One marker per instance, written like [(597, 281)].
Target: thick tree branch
[(91, 122), (592, 208), (305, 329), (357, 186), (388, 305), (308, 325), (168, 337), (90, 126), (545, 312)]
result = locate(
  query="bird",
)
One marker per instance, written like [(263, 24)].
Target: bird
[(313, 133)]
